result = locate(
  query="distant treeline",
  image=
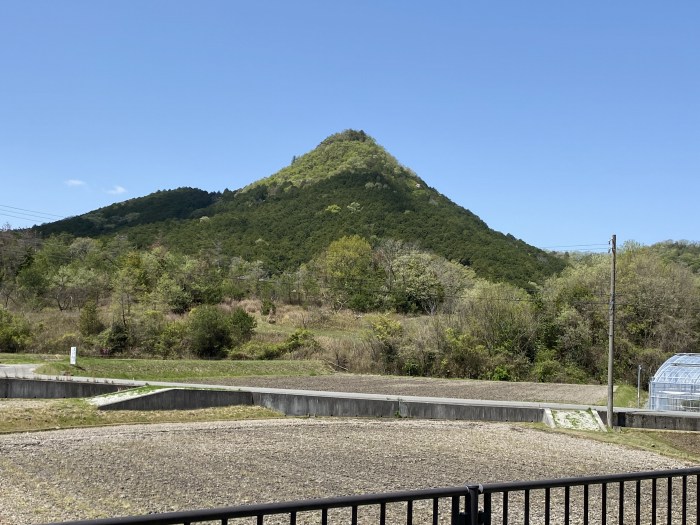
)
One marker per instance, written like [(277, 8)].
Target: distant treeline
[(426, 315)]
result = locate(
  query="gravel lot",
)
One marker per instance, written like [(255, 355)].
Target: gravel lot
[(428, 387), (85, 473)]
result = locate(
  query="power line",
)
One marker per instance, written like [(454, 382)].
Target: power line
[(32, 212), (600, 245), (17, 217)]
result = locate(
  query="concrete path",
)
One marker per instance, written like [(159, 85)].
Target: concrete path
[(21, 371), (25, 371), (300, 402)]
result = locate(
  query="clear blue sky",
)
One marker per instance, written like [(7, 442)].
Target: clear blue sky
[(558, 122)]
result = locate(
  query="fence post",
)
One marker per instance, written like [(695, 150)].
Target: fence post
[(458, 517), (474, 517)]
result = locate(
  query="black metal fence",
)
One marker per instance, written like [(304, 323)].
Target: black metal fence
[(656, 497)]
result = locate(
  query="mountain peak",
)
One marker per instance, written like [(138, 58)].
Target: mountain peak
[(349, 135), (346, 152)]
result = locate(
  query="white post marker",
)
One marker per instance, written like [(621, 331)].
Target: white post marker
[(73, 355)]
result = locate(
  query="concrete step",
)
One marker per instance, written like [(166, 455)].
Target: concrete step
[(574, 419)]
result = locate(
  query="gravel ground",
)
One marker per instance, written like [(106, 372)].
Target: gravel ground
[(428, 387), (85, 473)]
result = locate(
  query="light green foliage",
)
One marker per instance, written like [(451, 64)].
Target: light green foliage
[(173, 340), (349, 152), (465, 356), (15, 332), (347, 270), (657, 301), (416, 285), (386, 340), (501, 317), (300, 339), (354, 207)]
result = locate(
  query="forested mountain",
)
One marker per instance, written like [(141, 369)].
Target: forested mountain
[(345, 238), (158, 207), (348, 185)]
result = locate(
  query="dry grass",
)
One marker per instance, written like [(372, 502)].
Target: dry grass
[(21, 415)]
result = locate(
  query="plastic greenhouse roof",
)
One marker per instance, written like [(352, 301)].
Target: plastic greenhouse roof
[(679, 369)]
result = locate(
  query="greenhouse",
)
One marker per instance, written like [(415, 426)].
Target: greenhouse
[(676, 384)]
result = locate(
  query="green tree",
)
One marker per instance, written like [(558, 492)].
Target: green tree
[(89, 322), (501, 317), (385, 341), (209, 332), (349, 274), (212, 331), (417, 286), (15, 332), (242, 326)]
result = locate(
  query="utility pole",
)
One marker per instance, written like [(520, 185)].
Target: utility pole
[(611, 331)]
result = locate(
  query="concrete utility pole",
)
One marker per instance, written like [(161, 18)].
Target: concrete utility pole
[(611, 331)]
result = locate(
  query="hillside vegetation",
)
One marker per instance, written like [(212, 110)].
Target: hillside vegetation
[(348, 185), (347, 257), (383, 308)]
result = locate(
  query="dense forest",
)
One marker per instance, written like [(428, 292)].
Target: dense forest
[(412, 311)]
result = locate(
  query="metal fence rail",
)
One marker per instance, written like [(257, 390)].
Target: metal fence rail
[(656, 497), (669, 496)]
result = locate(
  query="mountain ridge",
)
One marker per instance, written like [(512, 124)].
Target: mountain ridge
[(347, 185)]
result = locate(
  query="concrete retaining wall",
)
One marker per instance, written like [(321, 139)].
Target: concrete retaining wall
[(328, 404), (428, 410), (181, 399), (49, 389), (659, 420), (325, 405), (316, 405)]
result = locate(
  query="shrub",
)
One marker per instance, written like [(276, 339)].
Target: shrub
[(89, 322), (268, 307), (15, 333), (117, 339), (173, 340), (242, 326), (300, 339), (210, 332)]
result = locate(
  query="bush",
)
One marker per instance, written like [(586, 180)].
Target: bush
[(210, 332), (15, 333), (173, 340), (300, 339), (268, 307), (89, 322), (117, 339), (242, 326)]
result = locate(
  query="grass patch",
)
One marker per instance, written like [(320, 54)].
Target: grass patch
[(625, 396), (679, 445), (26, 359), (181, 369), (54, 414)]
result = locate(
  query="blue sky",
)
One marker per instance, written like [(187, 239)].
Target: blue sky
[(558, 122)]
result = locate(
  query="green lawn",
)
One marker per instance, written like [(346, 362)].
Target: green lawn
[(180, 369), (625, 396), (15, 359)]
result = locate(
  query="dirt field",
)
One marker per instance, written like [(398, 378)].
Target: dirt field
[(102, 472), (428, 387)]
